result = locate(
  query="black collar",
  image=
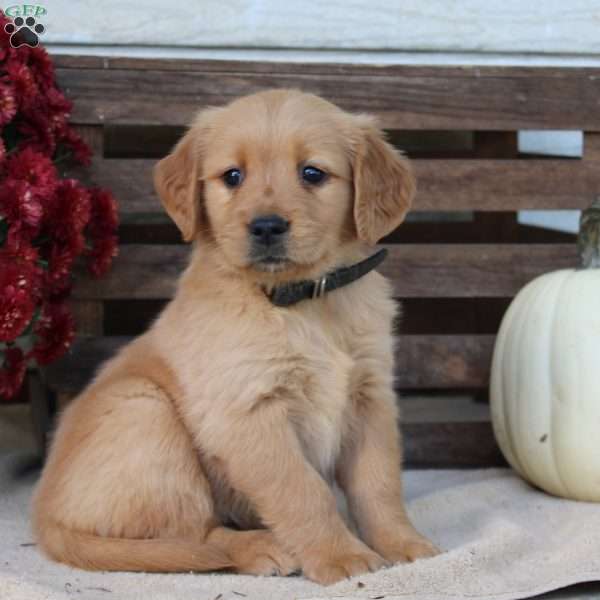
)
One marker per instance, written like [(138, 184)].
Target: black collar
[(293, 292)]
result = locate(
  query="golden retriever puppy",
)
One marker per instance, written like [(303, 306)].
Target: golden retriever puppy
[(213, 440)]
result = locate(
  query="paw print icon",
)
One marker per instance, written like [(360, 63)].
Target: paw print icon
[(24, 32)]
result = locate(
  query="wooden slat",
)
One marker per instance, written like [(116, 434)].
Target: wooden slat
[(422, 362), (591, 148), (443, 361), (433, 231), (416, 270), (417, 316), (450, 445), (443, 185), (404, 97), (93, 136), (89, 316), (447, 431)]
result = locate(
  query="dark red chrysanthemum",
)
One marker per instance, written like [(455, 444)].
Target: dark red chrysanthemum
[(102, 229), (20, 207), (26, 89), (37, 133), (12, 371), (5, 48), (40, 64), (101, 255), (79, 149), (105, 218), (45, 223), (69, 210), (8, 103), (57, 102), (19, 293), (54, 332), (34, 168), (58, 276)]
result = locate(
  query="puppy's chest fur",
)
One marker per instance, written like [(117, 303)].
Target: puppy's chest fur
[(312, 359)]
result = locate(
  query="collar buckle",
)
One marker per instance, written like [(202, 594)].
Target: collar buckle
[(319, 289)]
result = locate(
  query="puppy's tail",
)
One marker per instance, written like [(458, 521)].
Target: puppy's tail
[(97, 553)]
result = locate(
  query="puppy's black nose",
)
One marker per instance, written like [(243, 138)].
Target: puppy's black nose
[(268, 229)]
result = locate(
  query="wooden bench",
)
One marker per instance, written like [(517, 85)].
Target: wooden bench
[(455, 265)]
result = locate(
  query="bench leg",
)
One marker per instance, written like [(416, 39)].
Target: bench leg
[(43, 411)]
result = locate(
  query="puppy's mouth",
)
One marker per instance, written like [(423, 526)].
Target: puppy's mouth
[(270, 263)]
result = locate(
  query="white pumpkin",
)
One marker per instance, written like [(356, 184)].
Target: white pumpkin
[(545, 383)]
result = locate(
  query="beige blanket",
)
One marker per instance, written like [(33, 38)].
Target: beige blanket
[(502, 538)]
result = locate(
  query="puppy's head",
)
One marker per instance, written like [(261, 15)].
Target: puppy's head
[(279, 181)]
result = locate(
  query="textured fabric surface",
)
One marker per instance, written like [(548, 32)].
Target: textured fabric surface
[(502, 539)]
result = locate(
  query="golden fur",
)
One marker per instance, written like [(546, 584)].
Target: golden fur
[(231, 413)]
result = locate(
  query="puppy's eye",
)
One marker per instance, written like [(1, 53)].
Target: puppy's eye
[(233, 178), (313, 175)]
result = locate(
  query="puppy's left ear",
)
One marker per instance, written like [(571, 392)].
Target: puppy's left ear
[(384, 185), (176, 182)]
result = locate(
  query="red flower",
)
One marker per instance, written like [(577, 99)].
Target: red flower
[(55, 331), (35, 169), (104, 219), (20, 207), (101, 255), (4, 37), (37, 133), (102, 229), (57, 102), (19, 292), (12, 371), (58, 275), (44, 221), (8, 103), (81, 151), (26, 89), (69, 212), (42, 67)]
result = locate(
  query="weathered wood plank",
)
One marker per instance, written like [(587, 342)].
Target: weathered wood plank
[(422, 362), (417, 316), (450, 445), (591, 148), (443, 361), (403, 97), (93, 136), (443, 185), (211, 65), (416, 270), (435, 230)]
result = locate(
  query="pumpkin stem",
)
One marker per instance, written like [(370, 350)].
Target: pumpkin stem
[(588, 241)]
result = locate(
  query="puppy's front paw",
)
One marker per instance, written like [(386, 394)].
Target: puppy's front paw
[(408, 549), (328, 569)]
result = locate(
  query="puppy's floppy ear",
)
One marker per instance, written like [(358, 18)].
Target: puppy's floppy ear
[(176, 179), (384, 185)]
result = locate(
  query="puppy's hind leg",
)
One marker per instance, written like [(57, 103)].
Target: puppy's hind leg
[(123, 488)]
